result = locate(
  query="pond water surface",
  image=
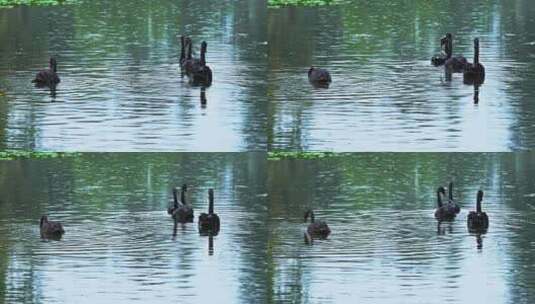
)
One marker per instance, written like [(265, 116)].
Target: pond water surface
[(120, 245), (385, 94), (121, 88)]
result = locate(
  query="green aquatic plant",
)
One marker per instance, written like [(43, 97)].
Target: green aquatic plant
[(281, 3), (278, 155), (15, 154), (11, 3)]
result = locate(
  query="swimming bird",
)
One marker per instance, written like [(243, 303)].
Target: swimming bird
[(452, 204), (48, 77), (50, 229), (319, 77), (445, 42), (184, 212), (200, 73), (209, 222), (443, 213), (316, 229), (474, 72), (478, 221)]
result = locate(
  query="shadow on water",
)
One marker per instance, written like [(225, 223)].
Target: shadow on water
[(444, 228), (204, 101), (51, 88)]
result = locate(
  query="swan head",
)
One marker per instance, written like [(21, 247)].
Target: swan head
[(44, 219)]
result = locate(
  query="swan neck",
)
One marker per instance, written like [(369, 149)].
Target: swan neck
[(211, 202), (449, 48), (183, 197), (476, 52), (203, 54), (175, 199), (189, 50), (439, 199), (182, 51), (479, 200)]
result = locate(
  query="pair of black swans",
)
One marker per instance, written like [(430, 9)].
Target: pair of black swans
[(196, 69), (181, 212), (198, 72), (477, 221)]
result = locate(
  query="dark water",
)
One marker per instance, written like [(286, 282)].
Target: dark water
[(385, 246), (385, 94), (121, 88)]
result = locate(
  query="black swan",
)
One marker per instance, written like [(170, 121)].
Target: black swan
[(48, 77), (474, 72), (316, 229), (445, 42), (443, 213), (478, 220), (452, 204), (184, 212), (319, 77), (200, 73), (209, 222), (453, 64), (50, 229)]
